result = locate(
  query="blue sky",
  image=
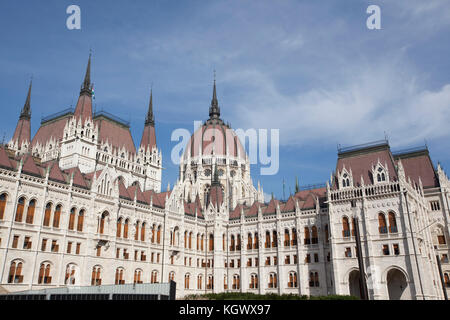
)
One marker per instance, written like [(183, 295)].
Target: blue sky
[(309, 68)]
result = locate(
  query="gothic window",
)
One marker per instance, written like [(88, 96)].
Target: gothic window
[(57, 216), (3, 198), (119, 276), (137, 276), (158, 235), (136, 233), (314, 279), (392, 223), (19, 210), (143, 231), (345, 227), (294, 237), (119, 228), (171, 276), (186, 280), (30, 211), (80, 220), (125, 229), (44, 273), (287, 241), (345, 180), (236, 282), (382, 223), (274, 239), (315, 236), (102, 222), (15, 272), (211, 242), (70, 274), (267, 244), (96, 279), (273, 280), (71, 218), (293, 283), (154, 277), (307, 236)]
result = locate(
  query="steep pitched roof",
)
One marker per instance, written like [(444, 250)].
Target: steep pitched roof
[(55, 172), (123, 192), (51, 129), (30, 167), (4, 159), (418, 164), (360, 161), (116, 134), (79, 179)]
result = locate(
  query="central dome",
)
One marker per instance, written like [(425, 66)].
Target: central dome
[(214, 137)]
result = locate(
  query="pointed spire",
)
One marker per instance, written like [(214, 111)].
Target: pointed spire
[(26, 111), (86, 87), (149, 120), (215, 181), (214, 110)]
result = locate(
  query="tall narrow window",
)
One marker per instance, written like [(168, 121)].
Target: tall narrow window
[(345, 227), (392, 223), (3, 198), (57, 216), (71, 219), (267, 244), (307, 236), (158, 235), (274, 239), (136, 231), (382, 223), (80, 222), (143, 231), (327, 234), (96, 279), (249, 241), (119, 228), (315, 236), (19, 210), (125, 229), (30, 211), (211, 242), (294, 237), (15, 273), (287, 241)]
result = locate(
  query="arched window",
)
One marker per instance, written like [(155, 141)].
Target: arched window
[(345, 227), (292, 280), (253, 281), (102, 222), (382, 223), (70, 274), (15, 272), (3, 198), (307, 236), (446, 280), (190, 240), (158, 235), (274, 239), (236, 282), (96, 279), (57, 216), (19, 210), (287, 240), (153, 233), (202, 242), (249, 241), (225, 282), (119, 228), (80, 220), (256, 243), (314, 279), (143, 231), (238, 242), (154, 278), (440, 236), (392, 223), (273, 282), (171, 276), (294, 237), (211, 242), (199, 281), (267, 244), (125, 229), (137, 276), (71, 219), (186, 281), (30, 211), (119, 276), (210, 284), (44, 273), (136, 231), (315, 236), (232, 244)]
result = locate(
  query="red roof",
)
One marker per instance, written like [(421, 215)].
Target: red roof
[(216, 196), (114, 133), (55, 172), (417, 165), (4, 159), (29, 166), (83, 108), (50, 129), (148, 140), (78, 178), (22, 132), (361, 161)]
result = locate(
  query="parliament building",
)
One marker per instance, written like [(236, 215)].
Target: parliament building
[(81, 205)]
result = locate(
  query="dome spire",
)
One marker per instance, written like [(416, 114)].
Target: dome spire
[(86, 87), (150, 120), (26, 111), (214, 110)]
